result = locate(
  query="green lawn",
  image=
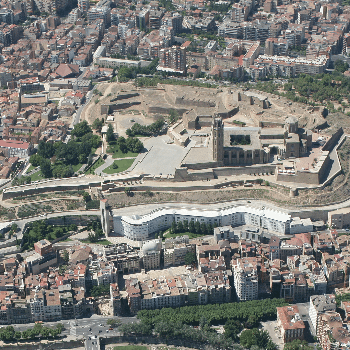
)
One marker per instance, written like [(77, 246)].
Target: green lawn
[(123, 164), (189, 234), (77, 167), (131, 347), (117, 153), (67, 240), (30, 169), (95, 166), (101, 241), (37, 176)]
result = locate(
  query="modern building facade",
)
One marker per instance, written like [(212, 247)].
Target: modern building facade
[(140, 228)]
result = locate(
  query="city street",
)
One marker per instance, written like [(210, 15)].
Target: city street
[(87, 328)]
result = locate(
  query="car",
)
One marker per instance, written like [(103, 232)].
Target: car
[(107, 331), (101, 325), (100, 331), (110, 328)]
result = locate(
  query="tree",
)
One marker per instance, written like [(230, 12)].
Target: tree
[(65, 256), (45, 150), (341, 66), (114, 323), (97, 125), (173, 228), (127, 191), (190, 258), (87, 197), (115, 164), (247, 338), (297, 345), (14, 227), (110, 133), (35, 160), (232, 329), (197, 226), (54, 332), (81, 129), (204, 229), (191, 227), (45, 332), (185, 225), (45, 166), (18, 335), (173, 116), (180, 227), (60, 327)]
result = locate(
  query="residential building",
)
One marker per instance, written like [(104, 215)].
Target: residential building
[(290, 323)]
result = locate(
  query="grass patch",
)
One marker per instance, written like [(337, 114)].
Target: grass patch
[(189, 234), (117, 153), (30, 168), (76, 167), (95, 166), (131, 347), (67, 240), (123, 165), (101, 241), (37, 176)]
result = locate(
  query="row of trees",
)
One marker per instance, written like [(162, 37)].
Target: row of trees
[(193, 227), (249, 313), (9, 334), (131, 144), (177, 330), (312, 89), (126, 73), (145, 82), (146, 130)]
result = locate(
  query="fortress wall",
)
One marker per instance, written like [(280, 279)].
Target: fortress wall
[(23, 191), (229, 113), (248, 170), (265, 124), (125, 96), (124, 105), (50, 345), (198, 103), (333, 140), (300, 177), (165, 110)]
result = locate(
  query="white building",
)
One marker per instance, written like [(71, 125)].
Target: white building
[(246, 279), (150, 254), (139, 228), (320, 304)]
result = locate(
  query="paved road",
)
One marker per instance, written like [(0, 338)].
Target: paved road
[(88, 328), (108, 161), (80, 109)]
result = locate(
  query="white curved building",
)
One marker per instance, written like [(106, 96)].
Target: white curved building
[(139, 228)]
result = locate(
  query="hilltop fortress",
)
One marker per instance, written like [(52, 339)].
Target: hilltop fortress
[(234, 132)]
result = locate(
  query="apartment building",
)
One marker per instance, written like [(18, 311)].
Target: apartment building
[(331, 332), (176, 255), (290, 323), (320, 304), (150, 254), (245, 273), (139, 228), (172, 60)]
